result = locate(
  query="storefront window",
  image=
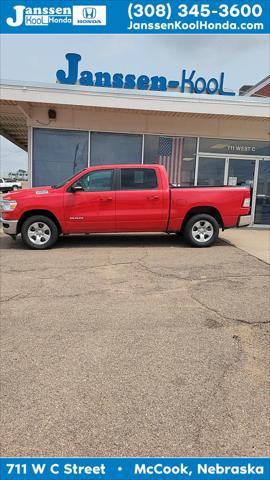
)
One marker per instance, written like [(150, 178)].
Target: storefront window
[(234, 147), (151, 149), (211, 171), (115, 148), (177, 154), (57, 155)]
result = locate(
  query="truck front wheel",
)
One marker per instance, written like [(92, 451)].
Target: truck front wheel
[(202, 230), (39, 232)]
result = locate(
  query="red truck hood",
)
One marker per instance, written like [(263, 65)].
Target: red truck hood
[(27, 192)]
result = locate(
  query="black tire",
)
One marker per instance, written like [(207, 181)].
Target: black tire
[(46, 225), (207, 228)]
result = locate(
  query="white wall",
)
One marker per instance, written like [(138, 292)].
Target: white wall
[(149, 122)]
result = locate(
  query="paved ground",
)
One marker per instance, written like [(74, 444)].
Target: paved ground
[(134, 346), (255, 241)]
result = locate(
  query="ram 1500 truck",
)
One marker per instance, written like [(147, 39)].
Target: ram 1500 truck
[(123, 198)]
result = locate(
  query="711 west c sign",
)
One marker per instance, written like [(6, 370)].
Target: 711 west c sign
[(189, 81)]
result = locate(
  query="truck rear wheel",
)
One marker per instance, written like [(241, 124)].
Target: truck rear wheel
[(39, 232), (202, 230)]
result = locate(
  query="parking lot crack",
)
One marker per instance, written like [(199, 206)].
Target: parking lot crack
[(194, 278), (226, 317), (19, 295)]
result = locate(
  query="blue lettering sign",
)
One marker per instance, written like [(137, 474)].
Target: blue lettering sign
[(189, 81)]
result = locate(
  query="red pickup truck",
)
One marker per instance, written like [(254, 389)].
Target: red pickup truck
[(123, 198)]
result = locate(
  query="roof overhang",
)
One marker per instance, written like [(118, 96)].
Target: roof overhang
[(13, 123), (18, 98)]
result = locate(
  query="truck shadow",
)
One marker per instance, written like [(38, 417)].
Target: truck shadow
[(111, 240), (122, 240)]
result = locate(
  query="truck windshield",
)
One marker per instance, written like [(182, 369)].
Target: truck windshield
[(59, 185)]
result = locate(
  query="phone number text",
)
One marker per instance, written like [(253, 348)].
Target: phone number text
[(166, 10)]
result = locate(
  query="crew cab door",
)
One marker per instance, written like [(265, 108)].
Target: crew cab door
[(92, 209), (140, 202)]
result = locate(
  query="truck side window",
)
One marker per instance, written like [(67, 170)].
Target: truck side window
[(138, 179), (97, 181)]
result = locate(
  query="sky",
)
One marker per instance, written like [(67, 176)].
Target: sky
[(245, 59)]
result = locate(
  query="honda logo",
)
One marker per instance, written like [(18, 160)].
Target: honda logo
[(89, 12), (86, 15)]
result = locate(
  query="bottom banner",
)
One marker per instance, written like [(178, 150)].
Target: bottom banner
[(134, 468)]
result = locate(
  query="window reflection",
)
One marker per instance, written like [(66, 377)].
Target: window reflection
[(241, 172), (115, 148), (177, 154), (58, 154), (211, 171), (234, 147)]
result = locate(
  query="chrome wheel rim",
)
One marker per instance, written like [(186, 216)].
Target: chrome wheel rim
[(202, 231), (39, 233)]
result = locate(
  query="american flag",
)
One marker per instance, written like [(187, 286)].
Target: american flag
[(170, 155)]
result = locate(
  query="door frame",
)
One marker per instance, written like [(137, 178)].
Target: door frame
[(226, 174), (256, 175)]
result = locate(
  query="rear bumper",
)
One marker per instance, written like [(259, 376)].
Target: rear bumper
[(9, 226), (244, 221)]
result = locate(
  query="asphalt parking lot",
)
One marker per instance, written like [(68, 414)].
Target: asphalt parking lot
[(133, 346)]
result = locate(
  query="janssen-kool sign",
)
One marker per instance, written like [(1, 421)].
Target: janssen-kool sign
[(188, 80)]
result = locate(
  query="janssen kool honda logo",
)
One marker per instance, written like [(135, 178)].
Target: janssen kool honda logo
[(78, 15)]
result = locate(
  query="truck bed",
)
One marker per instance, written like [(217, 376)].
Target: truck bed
[(226, 200)]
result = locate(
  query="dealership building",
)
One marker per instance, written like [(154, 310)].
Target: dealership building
[(201, 139)]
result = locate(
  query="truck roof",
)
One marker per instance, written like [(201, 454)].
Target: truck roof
[(127, 165)]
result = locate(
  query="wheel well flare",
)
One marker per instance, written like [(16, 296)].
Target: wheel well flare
[(46, 213), (209, 210)]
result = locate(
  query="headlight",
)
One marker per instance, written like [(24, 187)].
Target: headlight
[(8, 205)]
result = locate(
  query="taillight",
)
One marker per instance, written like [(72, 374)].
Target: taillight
[(246, 203)]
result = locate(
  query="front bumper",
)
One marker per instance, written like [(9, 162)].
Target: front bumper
[(9, 226), (244, 221)]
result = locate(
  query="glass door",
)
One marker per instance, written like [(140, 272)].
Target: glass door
[(262, 207), (241, 172)]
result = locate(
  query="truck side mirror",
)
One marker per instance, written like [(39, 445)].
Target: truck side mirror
[(76, 188)]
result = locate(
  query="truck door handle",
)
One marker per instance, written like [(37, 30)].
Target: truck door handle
[(105, 199), (153, 197)]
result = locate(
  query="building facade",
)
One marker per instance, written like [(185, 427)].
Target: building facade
[(201, 139)]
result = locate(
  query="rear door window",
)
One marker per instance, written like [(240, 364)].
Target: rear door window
[(138, 179)]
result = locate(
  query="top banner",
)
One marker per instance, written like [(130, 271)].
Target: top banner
[(135, 17)]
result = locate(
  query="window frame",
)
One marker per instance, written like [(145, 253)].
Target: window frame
[(114, 184), (119, 179)]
